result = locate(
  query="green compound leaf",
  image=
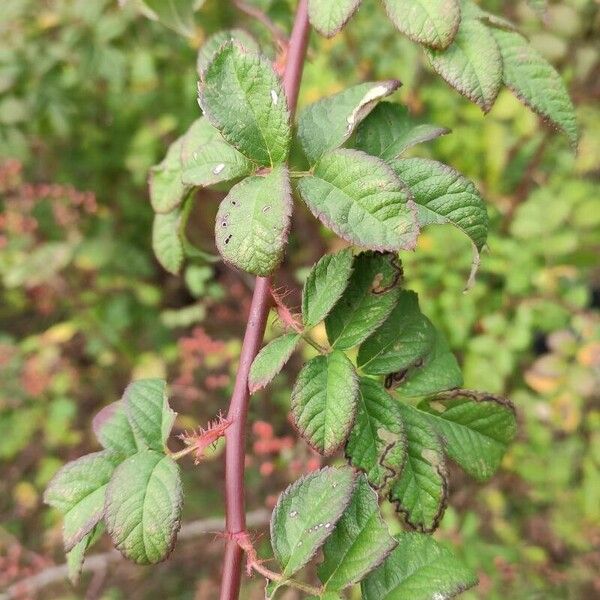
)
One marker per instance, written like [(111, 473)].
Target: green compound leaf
[(403, 339), (242, 97), (166, 242), (214, 163), (360, 198), (442, 196), (166, 188), (149, 414), (324, 401), (377, 443), (270, 360), (214, 42), (359, 543), (78, 490), (114, 431), (329, 17), (253, 222), (421, 491), (368, 300), (536, 83), (476, 428), (430, 22), (306, 514), (438, 373), (390, 130), (325, 285), (75, 557), (143, 506), (472, 65), (328, 123), (177, 15), (418, 569)]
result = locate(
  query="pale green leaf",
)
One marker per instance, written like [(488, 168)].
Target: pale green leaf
[(177, 15), (430, 22), (390, 130), (476, 428), (214, 163), (421, 491), (199, 133), (359, 543), (376, 444), (166, 188), (328, 123), (402, 340), (216, 40), (360, 198), (472, 64), (330, 16), (367, 301), (536, 83), (325, 285), (306, 514), (242, 97), (324, 401), (439, 372), (270, 360), (418, 569), (253, 222), (143, 506), (470, 10), (114, 431), (148, 411), (75, 556), (166, 242)]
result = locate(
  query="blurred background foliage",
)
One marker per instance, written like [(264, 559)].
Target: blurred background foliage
[(91, 94)]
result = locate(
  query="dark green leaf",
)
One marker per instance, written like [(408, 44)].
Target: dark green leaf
[(253, 222), (143, 506), (330, 16), (306, 514), (368, 300), (325, 285), (418, 569), (359, 543), (324, 401), (270, 360), (360, 198)]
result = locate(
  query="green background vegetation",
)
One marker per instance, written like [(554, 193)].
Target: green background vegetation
[(90, 97)]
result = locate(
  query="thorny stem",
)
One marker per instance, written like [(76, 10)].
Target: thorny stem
[(235, 451)]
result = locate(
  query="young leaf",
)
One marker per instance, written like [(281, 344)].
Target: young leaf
[(390, 130), (166, 188), (177, 15), (377, 443), (476, 428), (404, 338), (421, 491), (536, 83), (270, 360), (359, 543), (149, 413), (472, 65), (75, 556), (329, 17), (253, 222), (214, 163), (328, 123), (242, 97), (306, 514), (443, 195), (214, 42), (166, 243), (439, 372), (78, 490), (114, 431), (143, 506), (324, 401), (368, 300), (325, 285), (360, 198), (418, 569), (430, 22)]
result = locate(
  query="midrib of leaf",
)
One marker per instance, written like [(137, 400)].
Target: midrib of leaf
[(433, 20), (482, 92)]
